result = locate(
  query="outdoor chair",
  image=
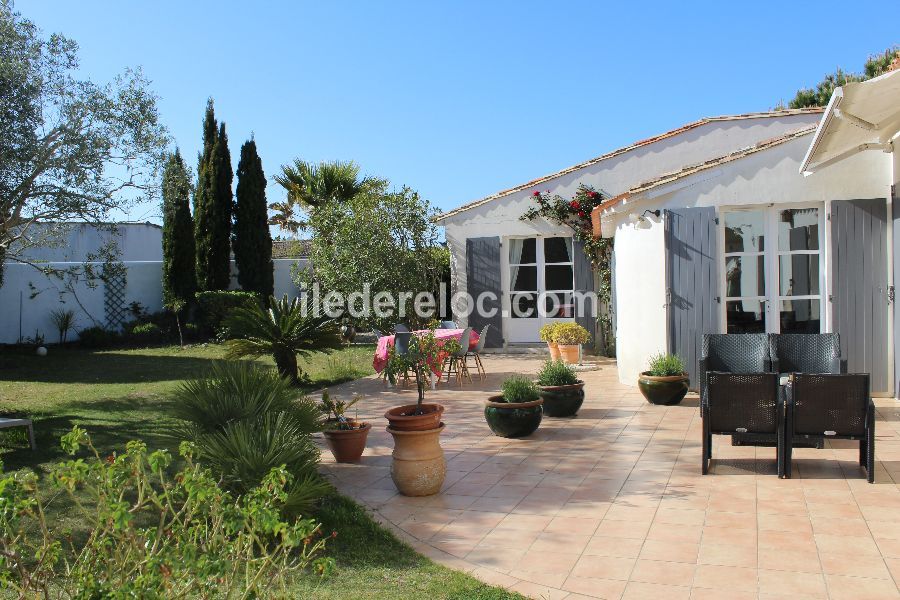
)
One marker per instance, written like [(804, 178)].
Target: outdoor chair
[(8, 423), (456, 362), (476, 352), (836, 406), (400, 328), (739, 353), (377, 333), (807, 353), (448, 325), (401, 348), (741, 403)]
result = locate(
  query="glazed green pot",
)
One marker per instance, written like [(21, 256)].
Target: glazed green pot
[(562, 400), (512, 419), (663, 390)]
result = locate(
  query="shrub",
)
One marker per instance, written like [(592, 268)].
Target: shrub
[(98, 337), (202, 539), (519, 389), (64, 321), (556, 372), (283, 331), (571, 334), (214, 307), (148, 333), (245, 421), (547, 333), (665, 365)]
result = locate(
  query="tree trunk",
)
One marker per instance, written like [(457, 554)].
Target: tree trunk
[(287, 365)]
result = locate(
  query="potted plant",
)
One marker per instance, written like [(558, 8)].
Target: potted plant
[(418, 467), (560, 389), (346, 437), (516, 412), (666, 381), (546, 334), (426, 355), (570, 337)]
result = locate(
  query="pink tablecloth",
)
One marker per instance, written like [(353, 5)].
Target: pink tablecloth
[(386, 342)]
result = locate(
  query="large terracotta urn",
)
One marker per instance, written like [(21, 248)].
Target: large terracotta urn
[(418, 468)]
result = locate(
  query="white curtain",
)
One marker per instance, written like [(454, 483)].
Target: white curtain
[(515, 257)]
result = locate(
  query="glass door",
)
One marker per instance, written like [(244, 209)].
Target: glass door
[(773, 287), (541, 284)]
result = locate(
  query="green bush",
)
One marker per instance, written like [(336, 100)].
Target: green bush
[(245, 421), (666, 365), (556, 372), (202, 540), (519, 389), (148, 333), (98, 337), (215, 306), (570, 334)]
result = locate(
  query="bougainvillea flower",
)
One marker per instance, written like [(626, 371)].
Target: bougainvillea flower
[(581, 213), (536, 193)]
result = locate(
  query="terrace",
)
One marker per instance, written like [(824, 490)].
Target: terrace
[(611, 504)]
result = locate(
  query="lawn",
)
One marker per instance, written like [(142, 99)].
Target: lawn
[(119, 395)]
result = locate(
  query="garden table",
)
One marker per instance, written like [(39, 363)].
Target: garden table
[(385, 343)]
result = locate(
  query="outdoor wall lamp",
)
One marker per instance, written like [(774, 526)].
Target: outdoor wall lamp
[(642, 222)]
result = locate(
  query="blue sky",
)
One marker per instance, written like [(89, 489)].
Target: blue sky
[(460, 99)]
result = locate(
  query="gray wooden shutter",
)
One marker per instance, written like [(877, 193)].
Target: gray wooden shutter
[(860, 287), (692, 286), (896, 249), (482, 276), (584, 282)]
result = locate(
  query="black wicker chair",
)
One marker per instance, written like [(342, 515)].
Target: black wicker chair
[(835, 406), (807, 353), (733, 353), (742, 403)]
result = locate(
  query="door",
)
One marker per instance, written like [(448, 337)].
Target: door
[(772, 269), (483, 280), (692, 308), (540, 285), (860, 294)]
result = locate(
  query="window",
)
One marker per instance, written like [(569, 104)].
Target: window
[(523, 284)]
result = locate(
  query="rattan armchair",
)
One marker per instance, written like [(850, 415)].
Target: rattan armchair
[(807, 353), (835, 406), (733, 353)]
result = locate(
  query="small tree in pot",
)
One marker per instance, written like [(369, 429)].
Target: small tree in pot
[(560, 388), (547, 334), (570, 337), (517, 411), (666, 382)]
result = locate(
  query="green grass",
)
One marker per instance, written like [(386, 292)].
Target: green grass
[(119, 395)]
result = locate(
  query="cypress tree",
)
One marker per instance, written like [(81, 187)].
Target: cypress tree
[(212, 203), (252, 240), (179, 278)]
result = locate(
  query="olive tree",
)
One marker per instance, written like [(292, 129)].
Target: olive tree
[(70, 149)]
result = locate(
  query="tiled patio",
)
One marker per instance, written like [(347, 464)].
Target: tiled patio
[(611, 504)]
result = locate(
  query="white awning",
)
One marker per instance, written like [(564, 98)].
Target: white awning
[(860, 116)]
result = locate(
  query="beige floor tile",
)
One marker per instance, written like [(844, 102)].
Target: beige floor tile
[(667, 573), (853, 588), (846, 563), (788, 583), (592, 587), (729, 555), (622, 529), (604, 567), (601, 545), (636, 590), (683, 552), (804, 561), (739, 579)]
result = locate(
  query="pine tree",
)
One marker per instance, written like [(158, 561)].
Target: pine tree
[(179, 277), (212, 207), (252, 241)]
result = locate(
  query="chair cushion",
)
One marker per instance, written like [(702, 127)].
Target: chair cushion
[(737, 352)]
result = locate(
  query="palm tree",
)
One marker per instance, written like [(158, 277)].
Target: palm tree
[(311, 185), (283, 331)]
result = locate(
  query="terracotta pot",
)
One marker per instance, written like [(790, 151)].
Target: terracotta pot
[(562, 400), (402, 418), (569, 353), (663, 390), (347, 445), (512, 419), (554, 350), (418, 468)]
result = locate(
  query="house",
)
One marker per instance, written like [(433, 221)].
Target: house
[(494, 251), (743, 243)]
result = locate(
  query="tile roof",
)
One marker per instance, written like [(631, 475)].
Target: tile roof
[(696, 168), (290, 248), (635, 145)]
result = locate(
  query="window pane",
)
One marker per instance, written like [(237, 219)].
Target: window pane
[(798, 275), (557, 249), (798, 229), (745, 276), (745, 231), (558, 277), (523, 279), (559, 306), (745, 316), (800, 316), (523, 306), (522, 251)]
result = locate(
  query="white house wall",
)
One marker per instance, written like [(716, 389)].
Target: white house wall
[(501, 217), (641, 298)]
